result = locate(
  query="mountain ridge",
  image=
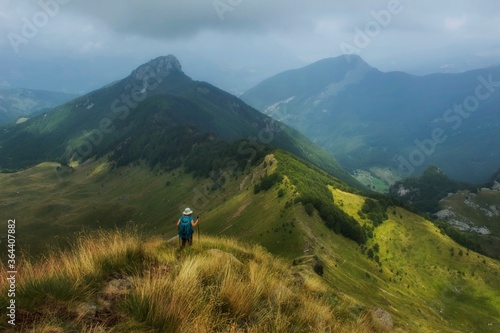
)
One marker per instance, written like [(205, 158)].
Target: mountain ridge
[(160, 97), (348, 116)]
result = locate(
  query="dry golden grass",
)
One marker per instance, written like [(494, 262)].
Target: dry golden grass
[(218, 285)]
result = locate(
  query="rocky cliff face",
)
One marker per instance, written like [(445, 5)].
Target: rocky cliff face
[(160, 67)]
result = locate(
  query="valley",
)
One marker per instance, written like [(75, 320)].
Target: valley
[(377, 179)]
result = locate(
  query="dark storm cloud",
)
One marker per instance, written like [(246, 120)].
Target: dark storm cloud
[(160, 18), (437, 22), (181, 19), (417, 36)]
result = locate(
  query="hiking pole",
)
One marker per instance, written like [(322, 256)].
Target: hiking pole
[(198, 218), (179, 234)]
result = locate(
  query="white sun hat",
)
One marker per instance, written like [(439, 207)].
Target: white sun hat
[(187, 211)]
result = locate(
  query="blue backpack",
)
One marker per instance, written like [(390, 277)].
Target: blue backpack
[(185, 228)]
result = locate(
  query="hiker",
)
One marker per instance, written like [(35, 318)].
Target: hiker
[(186, 224)]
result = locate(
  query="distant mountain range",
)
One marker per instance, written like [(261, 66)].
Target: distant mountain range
[(16, 103), (159, 114), (397, 121)]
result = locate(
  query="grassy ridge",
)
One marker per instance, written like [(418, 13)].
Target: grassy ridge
[(120, 282), (312, 186), (433, 282), (424, 284), (417, 278)]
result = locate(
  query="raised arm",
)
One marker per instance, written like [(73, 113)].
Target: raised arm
[(194, 223)]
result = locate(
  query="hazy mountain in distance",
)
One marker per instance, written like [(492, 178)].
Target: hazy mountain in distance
[(446, 64), (17, 103), (368, 118)]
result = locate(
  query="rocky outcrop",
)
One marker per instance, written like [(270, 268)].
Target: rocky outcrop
[(160, 67)]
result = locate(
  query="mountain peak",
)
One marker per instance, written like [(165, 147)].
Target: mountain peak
[(347, 61), (159, 67)]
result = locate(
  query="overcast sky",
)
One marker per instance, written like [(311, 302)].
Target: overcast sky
[(107, 39)]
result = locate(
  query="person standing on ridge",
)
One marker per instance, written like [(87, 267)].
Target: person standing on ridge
[(186, 224)]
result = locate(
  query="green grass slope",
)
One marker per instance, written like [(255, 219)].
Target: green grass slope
[(424, 276), (52, 206), (421, 278)]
